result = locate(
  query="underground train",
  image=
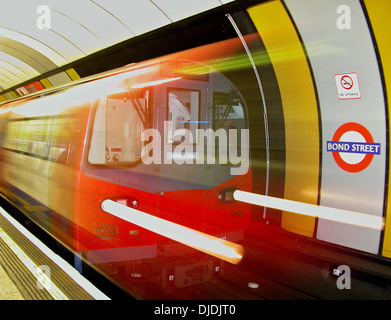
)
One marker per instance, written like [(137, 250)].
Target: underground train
[(284, 124)]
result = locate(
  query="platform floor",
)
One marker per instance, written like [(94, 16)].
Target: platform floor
[(8, 289), (31, 271)]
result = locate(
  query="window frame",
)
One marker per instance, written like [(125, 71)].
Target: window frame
[(114, 165), (195, 138), (48, 143)]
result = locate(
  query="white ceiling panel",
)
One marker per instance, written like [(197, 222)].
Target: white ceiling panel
[(178, 10), (43, 48), (99, 22), (77, 29), (10, 62), (138, 16), (14, 73)]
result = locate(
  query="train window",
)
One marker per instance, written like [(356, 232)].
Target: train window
[(35, 134), (119, 122), (183, 113), (229, 115), (12, 137), (228, 111), (28, 136)]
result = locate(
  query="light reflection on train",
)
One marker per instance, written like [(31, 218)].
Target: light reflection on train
[(135, 168)]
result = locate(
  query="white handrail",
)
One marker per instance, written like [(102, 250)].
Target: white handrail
[(225, 250), (329, 213)]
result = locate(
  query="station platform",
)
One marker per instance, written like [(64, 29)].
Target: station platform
[(29, 270), (8, 289)]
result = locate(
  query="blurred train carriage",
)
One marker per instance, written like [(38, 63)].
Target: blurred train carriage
[(142, 136), (174, 137)]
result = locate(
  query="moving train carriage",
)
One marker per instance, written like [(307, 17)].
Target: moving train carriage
[(163, 137), (287, 106)]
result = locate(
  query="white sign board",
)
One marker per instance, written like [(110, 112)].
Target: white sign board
[(347, 86)]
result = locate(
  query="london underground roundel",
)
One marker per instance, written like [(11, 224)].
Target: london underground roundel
[(353, 147)]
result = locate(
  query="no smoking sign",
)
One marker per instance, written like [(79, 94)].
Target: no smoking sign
[(347, 82), (348, 86)]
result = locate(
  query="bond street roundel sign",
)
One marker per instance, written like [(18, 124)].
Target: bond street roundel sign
[(353, 147)]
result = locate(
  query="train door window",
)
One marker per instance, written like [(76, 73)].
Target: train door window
[(118, 125), (183, 113), (229, 115)]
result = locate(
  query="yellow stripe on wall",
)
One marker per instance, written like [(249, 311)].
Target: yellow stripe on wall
[(72, 74), (378, 12), (300, 109), (46, 83)]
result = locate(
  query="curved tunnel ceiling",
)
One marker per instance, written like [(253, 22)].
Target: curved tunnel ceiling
[(77, 28)]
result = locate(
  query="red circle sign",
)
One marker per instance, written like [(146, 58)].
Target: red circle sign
[(347, 82), (357, 167)]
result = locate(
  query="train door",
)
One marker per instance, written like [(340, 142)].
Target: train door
[(202, 122), (66, 138), (181, 111), (228, 159)]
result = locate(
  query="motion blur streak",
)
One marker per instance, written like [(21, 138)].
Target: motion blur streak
[(153, 83), (224, 250), (338, 215)]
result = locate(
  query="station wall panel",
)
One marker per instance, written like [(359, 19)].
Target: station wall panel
[(59, 78), (342, 56)]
